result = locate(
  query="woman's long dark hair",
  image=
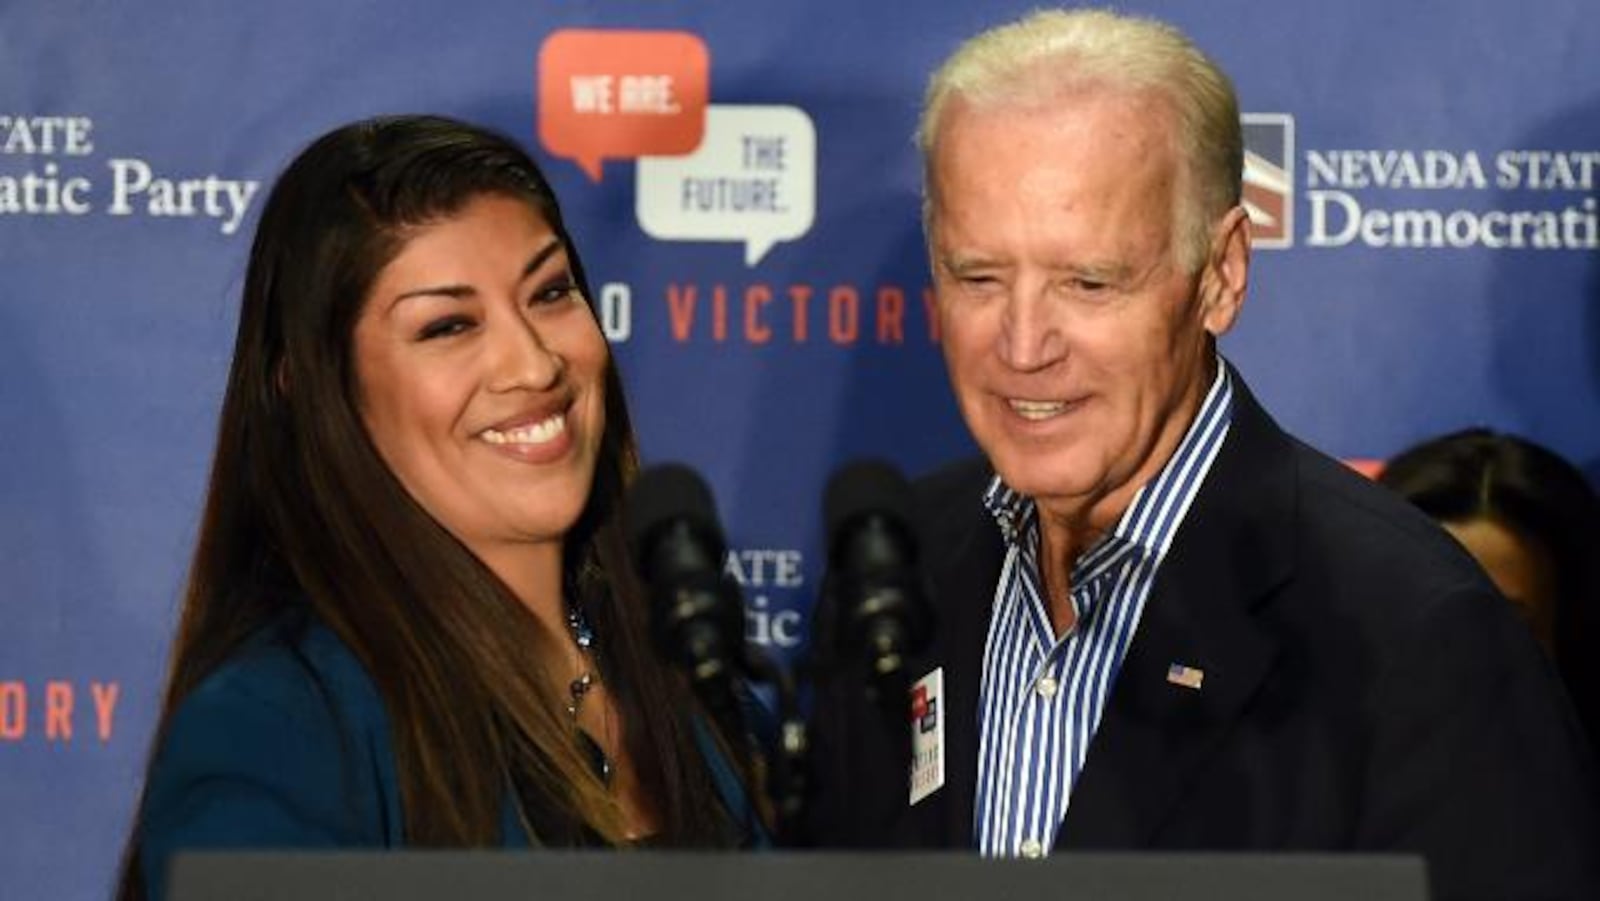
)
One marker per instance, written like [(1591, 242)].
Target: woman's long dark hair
[(1543, 499), (299, 497)]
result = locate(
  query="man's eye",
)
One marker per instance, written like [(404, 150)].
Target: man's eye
[(444, 327)]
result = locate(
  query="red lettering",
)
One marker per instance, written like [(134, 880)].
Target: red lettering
[(680, 309), (756, 325), (891, 315), (13, 711), (58, 711), (105, 704), (755, 297), (844, 314), (800, 295)]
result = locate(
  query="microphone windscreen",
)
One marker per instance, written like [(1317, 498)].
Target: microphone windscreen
[(666, 493), (866, 487)]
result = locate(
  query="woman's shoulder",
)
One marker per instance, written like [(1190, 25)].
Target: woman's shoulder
[(292, 698), (297, 667), (283, 745)]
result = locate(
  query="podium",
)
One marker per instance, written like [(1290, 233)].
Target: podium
[(787, 876)]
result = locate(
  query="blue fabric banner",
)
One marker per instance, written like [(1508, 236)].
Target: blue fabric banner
[(1424, 177)]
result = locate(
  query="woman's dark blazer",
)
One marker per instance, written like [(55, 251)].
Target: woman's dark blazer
[(287, 745)]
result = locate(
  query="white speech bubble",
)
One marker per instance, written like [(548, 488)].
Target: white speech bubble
[(753, 179)]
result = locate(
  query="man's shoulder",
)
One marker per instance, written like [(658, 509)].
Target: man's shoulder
[(1324, 514), (953, 487), (1342, 547), (1363, 571), (1341, 508)]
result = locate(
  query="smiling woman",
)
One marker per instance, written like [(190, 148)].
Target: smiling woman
[(482, 375), (409, 618)]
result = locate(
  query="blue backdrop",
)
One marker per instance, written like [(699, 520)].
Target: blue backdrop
[(1428, 168)]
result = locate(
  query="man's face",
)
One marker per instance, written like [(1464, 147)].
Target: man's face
[(1076, 341)]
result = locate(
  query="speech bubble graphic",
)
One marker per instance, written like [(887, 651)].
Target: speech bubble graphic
[(753, 179), (621, 94)]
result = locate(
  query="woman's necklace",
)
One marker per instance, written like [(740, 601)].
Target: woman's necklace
[(578, 689), (583, 636)]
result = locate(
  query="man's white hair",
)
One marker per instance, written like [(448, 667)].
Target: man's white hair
[(1051, 52)]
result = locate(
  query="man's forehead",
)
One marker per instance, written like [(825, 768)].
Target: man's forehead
[(1095, 145), (1048, 170), (1152, 110)]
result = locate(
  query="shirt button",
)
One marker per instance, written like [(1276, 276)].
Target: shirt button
[(1032, 849), (1047, 687)]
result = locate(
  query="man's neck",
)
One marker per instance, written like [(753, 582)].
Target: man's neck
[(1068, 527)]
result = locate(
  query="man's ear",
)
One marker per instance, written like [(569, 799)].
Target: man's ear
[(1226, 272)]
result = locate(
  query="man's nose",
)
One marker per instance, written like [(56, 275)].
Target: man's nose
[(1030, 330)]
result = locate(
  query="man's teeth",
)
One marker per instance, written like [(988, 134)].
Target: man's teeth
[(537, 433), (1037, 409)]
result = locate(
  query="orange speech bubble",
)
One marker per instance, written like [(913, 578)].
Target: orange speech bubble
[(1366, 466), (622, 94)]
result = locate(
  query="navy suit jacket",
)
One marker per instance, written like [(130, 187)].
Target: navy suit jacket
[(1365, 689), (287, 745)]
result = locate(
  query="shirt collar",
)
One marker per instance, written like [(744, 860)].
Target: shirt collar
[(1014, 512)]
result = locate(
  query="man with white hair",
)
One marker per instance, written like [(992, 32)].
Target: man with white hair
[(1163, 622)]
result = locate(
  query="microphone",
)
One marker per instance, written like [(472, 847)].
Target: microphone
[(874, 582), (697, 617)]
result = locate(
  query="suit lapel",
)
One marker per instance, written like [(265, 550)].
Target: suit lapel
[(973, 582), (966, 553), (1232, 549)]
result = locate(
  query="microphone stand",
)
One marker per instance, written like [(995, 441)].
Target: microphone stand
[(786, 780)]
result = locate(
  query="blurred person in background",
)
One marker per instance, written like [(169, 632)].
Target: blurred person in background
[(1533, 521)]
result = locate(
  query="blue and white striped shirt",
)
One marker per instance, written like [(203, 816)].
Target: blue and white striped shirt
[(1041, 699)]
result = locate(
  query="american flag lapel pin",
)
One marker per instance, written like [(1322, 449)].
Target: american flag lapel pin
[(1187, 676)]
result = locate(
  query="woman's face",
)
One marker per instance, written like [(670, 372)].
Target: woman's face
[(481, 376), (1521, 569)]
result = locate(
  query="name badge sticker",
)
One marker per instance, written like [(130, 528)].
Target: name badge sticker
[(927, 735)]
